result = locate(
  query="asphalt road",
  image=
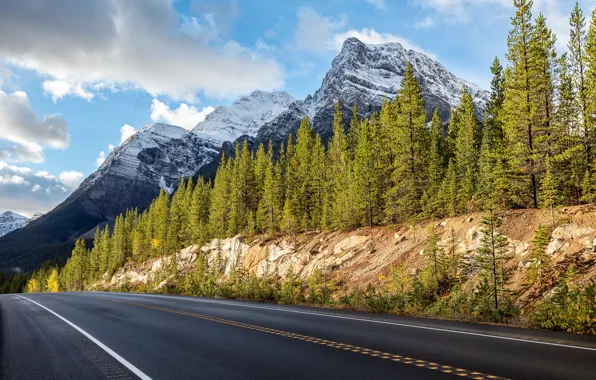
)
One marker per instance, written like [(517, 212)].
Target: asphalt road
[(131, 336)]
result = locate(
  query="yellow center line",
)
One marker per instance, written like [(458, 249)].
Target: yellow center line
[(343, 346)]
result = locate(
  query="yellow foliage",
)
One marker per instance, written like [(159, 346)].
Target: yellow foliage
[(52, 284), (33, 286), (155, 243)]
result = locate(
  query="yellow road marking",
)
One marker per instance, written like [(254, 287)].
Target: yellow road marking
[(364, 351)]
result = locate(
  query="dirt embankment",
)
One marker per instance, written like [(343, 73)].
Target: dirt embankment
[(365, 255)]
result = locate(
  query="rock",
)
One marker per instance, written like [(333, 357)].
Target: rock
[(350, 243), (470, 220)]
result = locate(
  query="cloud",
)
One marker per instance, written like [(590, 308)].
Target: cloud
[(87, 47), (72, 179), (27, 192), (377, 3), (183, 116), (126, 131), (59, 89), (371, 36), (100, 159), (314, 31), (5, 76), (19, 124), (426, 23)]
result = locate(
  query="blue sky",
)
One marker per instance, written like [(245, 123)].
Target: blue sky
[(76, 77)]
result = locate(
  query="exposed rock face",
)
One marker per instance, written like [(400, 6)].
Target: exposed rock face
[(11, 221), (366, 255)]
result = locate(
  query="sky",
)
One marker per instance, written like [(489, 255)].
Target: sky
[(77, 78)]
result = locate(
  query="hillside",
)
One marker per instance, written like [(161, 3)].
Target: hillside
[(369, 256)]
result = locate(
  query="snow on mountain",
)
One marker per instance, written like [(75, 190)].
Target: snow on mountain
[(10, 221), (366, 75), (33, 218), (158, 153), (243, 117)]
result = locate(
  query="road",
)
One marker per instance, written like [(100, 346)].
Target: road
[(132, 336)]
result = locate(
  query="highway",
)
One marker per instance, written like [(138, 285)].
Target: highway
[(132, 336)]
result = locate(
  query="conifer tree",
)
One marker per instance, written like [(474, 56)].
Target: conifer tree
[(436, 167), (318, 174), (411, 151), (199, 212), (449, 190), (538, 258), (302, 163), (467, 149), (589, 133), (519, 107), (290, 221), (219, 210), (366, 180), (271, 204), (490, 258), (549, 191)]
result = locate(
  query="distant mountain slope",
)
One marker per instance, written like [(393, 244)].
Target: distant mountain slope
[(131, 176), (11, 221)]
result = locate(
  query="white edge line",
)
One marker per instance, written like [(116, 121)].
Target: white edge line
[(122, 361), (367, 320)]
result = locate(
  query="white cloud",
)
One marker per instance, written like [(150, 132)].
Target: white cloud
[(371, 36), (264, 47), (5, 76), (100, 159), (60, 88), (87, 47), (377, 3), (183, 116), (126, 131), (112, 146), (19, 124), (72, 179), (427, 22), (314, 31), (24, 191)]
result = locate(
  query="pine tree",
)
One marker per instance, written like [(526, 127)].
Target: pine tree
[(589, 132), (302, 163), (175, 228), (448, 195), (538, 258), (436, 167), (467, 149), (411, 151), (579, 55), (271, 204), (491, 166), (519, 107), (199, 212), (319, 185), (366, 180), (491, 257), (219, 210)]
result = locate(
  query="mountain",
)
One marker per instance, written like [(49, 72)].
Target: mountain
[(11, 221), (244, 117), (156, 156), (33, 219), (159, 154), (366, 75)]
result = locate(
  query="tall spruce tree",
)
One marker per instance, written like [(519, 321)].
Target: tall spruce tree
[(411, 151), (519, 109), (436, 167), (366, 192)]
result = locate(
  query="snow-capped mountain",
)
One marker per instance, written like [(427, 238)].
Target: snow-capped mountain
[(131, 176), (35, 216), (366, 75), (159, 154), (244, 117), (10, 221)]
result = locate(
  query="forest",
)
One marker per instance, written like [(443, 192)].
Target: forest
[(533, 147)]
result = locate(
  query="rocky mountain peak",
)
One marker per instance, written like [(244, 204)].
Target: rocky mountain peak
[(10, 221), (243, 117)]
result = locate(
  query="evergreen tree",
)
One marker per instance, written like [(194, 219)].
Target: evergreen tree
[(319, 187), (490, 258), (467, 149), (436, 167), (589, 132), (199, 212), (448, 195), (549, 192), (411, 151), (539, 260), (519, 107), (219, 209), (304, 200), (270, 206), (366, 180)]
